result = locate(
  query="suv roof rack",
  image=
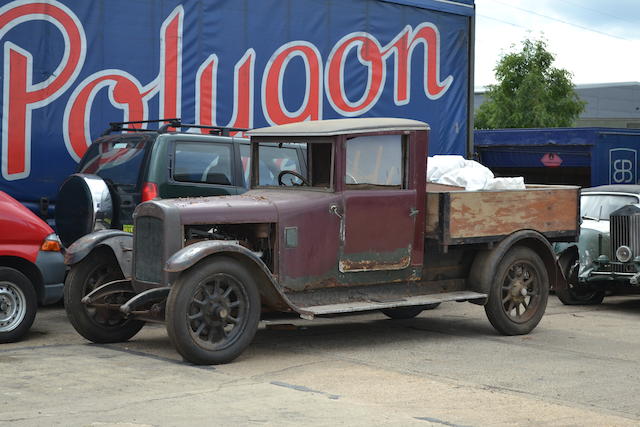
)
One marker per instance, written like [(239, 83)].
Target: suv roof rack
[(119, 126), (170, 123)]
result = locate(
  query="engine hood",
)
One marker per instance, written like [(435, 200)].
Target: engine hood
[(255, 206)]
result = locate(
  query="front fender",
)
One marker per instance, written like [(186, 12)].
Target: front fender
[(486, 262), (120, 243), (270, 291)]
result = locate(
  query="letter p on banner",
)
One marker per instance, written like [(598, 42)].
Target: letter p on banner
[(20, 95)]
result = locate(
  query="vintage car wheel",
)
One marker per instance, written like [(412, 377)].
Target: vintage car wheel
[(213, 311), (578, 296), (18, 304), (99, 325), (407, 312), (518, 297)]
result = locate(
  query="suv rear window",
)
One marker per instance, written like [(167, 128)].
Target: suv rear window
[(115, 160), (203, 163)]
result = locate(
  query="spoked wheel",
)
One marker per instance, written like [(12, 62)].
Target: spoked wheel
[(213, 311), (18, 304), (518, 298), (97, 324), (577, 296)]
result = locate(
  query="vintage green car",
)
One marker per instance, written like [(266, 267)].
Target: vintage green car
[(608, 247)]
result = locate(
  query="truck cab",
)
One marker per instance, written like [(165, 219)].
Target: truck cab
[(358, 230)]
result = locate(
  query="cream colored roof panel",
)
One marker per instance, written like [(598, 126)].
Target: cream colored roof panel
[(340, 127)]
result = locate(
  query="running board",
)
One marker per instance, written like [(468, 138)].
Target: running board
[(309, 312)]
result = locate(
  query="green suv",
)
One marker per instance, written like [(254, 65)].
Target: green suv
[(121, 170)]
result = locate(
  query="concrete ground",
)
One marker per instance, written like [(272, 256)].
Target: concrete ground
[(445, 367)]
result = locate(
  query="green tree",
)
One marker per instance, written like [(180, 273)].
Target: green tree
[(530, 92)]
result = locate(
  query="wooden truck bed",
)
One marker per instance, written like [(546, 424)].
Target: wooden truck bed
[(456, 216)]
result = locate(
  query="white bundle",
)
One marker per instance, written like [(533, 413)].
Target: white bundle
[(456, 170)]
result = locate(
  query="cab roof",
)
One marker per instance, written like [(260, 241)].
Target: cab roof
[(341, 127)]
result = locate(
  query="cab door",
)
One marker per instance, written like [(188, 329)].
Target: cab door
[(378, 224)]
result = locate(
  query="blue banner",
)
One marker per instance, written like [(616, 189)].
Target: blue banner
[(71, 67)]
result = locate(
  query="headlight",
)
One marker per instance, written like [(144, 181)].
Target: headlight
[(51, 244), (624, 254)]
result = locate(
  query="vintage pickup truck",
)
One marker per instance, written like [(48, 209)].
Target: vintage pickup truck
[(360, 230)]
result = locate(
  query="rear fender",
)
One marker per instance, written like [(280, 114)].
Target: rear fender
[(271, 294), (120, 243), (486, 262)]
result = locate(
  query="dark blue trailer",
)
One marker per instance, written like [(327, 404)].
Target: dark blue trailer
[(575, 156)]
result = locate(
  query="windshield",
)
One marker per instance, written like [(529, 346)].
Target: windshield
[(117, 160), (600, 206), (274, 159)]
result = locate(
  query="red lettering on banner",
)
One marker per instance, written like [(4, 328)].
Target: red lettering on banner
[(402, 48), (273, 106), (206, 92), (124, 92), (20, 95), (171, 65), (369, 55)]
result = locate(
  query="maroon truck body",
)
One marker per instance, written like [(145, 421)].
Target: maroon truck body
[(357, 232)]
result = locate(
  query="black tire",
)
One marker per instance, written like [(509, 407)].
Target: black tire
[(407, 312), (577, 296), (213, 310), (519, 294), (98, 325), (18, 304)]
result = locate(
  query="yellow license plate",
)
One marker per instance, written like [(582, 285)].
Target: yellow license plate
[(128, 228)]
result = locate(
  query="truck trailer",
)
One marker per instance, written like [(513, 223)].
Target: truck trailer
[(72, 66)]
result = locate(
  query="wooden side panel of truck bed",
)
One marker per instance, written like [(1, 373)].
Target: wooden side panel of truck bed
[(457, 217)]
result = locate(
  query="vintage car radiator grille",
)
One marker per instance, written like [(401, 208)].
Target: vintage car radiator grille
[(625, 230), (148, 249)]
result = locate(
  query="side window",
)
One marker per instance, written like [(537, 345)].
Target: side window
[(375, 161), (203, 163)]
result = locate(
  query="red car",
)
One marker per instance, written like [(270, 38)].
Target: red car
[(32, 268)]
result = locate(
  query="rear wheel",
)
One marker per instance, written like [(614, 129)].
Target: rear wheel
[(213, 311), (97, 324), (518, 297), (407, 312), (18, 304)]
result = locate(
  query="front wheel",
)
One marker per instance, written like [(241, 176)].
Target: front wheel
[(578, 296), (97, 324), (518, 296), (213, 310), (18, 305)]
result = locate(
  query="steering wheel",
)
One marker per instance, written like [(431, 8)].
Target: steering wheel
[(294, 173)]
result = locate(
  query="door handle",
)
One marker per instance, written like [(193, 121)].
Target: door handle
[(413, 211), (334, 210)]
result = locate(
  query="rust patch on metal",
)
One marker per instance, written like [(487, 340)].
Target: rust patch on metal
[(348, 265)]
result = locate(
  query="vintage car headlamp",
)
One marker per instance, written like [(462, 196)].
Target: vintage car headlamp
[(624, 254), (602, 260)]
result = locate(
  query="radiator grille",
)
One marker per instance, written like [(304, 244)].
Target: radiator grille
[(148, 249), (625, 230)]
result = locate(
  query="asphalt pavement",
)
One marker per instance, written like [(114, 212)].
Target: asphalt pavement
[(445, 367)]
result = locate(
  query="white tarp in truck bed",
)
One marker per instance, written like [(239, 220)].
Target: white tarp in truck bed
[(456, 170)]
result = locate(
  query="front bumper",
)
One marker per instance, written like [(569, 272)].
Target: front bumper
[(626, 273), (53, 271)]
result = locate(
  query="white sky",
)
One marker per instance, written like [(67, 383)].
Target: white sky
[(596, 40)]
